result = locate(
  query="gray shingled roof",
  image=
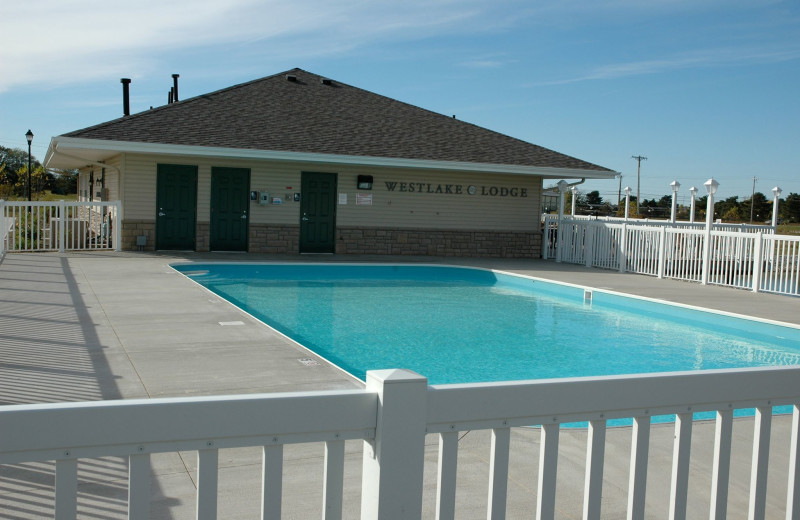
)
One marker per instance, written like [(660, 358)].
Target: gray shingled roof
[(306, 115)]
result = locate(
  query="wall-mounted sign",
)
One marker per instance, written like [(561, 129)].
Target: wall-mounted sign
[(342, 198), (456, 189), (363, 199)]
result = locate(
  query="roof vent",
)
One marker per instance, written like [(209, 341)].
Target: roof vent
[(326, 81), (291, 77)]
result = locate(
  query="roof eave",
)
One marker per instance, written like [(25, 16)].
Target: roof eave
[(69, 152)]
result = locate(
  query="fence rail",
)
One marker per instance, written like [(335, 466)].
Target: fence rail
[(58, 226), (753, 258), (393, 415)]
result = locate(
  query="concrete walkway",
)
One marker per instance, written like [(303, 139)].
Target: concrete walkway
[(125, 325)]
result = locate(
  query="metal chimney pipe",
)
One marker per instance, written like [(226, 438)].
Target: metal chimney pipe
[(175, 87), (169, 96), (126, 97)]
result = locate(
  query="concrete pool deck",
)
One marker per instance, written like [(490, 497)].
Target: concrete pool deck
[(106, 325)]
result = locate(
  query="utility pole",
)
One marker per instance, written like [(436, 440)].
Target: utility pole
[(639, 159), (752, 196), (619, 190)]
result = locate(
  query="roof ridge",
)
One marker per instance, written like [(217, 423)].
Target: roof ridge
[(153, 110)]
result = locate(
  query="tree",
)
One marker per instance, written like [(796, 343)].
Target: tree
[(593, 198), (789, 208)]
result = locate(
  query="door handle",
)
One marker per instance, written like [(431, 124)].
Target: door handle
[(305, 219), (244, 216), (162, 214)]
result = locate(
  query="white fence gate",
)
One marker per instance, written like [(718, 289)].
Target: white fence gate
[(58, 226)]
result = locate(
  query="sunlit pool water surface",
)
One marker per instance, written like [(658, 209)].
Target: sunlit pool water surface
[(461, 325)]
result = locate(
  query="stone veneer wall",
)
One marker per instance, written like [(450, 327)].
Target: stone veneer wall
[(133, 228), (274, 238), (467, 243)]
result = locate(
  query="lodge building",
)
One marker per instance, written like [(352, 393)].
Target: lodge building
[(298, 163)]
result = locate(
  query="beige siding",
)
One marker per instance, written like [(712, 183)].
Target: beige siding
[(484, 210)]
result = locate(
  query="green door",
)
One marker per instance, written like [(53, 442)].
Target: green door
[(230, 190), (176, 207), (318, 212)]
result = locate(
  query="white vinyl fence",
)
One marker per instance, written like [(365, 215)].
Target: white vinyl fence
[(750, 257), (58, 226), (393, 415)]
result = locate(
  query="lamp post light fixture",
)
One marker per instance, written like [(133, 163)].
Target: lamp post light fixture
[(693, 191), (776, 195), (627, 201), (29, 137), (675, 187)]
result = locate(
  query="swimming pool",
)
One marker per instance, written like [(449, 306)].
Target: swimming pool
[(458, 325)]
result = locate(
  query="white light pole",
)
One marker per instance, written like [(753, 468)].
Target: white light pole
[(675, 187), (574, 191), (627, 201), (776, 195), (711, 188), (562, 188), (693, 191)]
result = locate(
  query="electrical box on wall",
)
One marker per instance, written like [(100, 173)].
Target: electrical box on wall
[(263, 198)]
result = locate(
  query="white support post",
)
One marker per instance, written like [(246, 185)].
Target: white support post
[(637, 482), (66, 505), (793, 494), (623, 248), (117, 226), (271, 481), (498, 473), (393, 461), (679, 486), (560, 236), (446, 479), (548, 466), (711, 188), (593, 483), (758, 262), (758, 470), (722, 465), (662, 251), (62, 217), (139, 486), (207, 484), (333, 484), (3, 228)]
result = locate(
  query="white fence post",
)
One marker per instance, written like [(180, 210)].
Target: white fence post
[(393, 463), (662, 251), (117, 223), (588, 243), (623, 248), (758, 262), (62, 218), (3, 228)]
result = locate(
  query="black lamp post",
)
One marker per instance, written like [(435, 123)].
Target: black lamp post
[(29, 137)]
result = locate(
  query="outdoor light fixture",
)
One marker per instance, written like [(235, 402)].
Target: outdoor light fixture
[(364, 182), (777, 191), (711, 186), (674, 211), (29, 137), (628, 191)]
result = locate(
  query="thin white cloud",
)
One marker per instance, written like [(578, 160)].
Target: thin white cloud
[(700, 59), (67, 42)]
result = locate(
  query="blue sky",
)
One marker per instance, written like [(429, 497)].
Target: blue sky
[(703, 88)]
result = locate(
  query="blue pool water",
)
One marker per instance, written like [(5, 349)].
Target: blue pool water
[(460, 325)]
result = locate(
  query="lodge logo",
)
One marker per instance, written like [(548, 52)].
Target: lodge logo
[(456, 189)]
